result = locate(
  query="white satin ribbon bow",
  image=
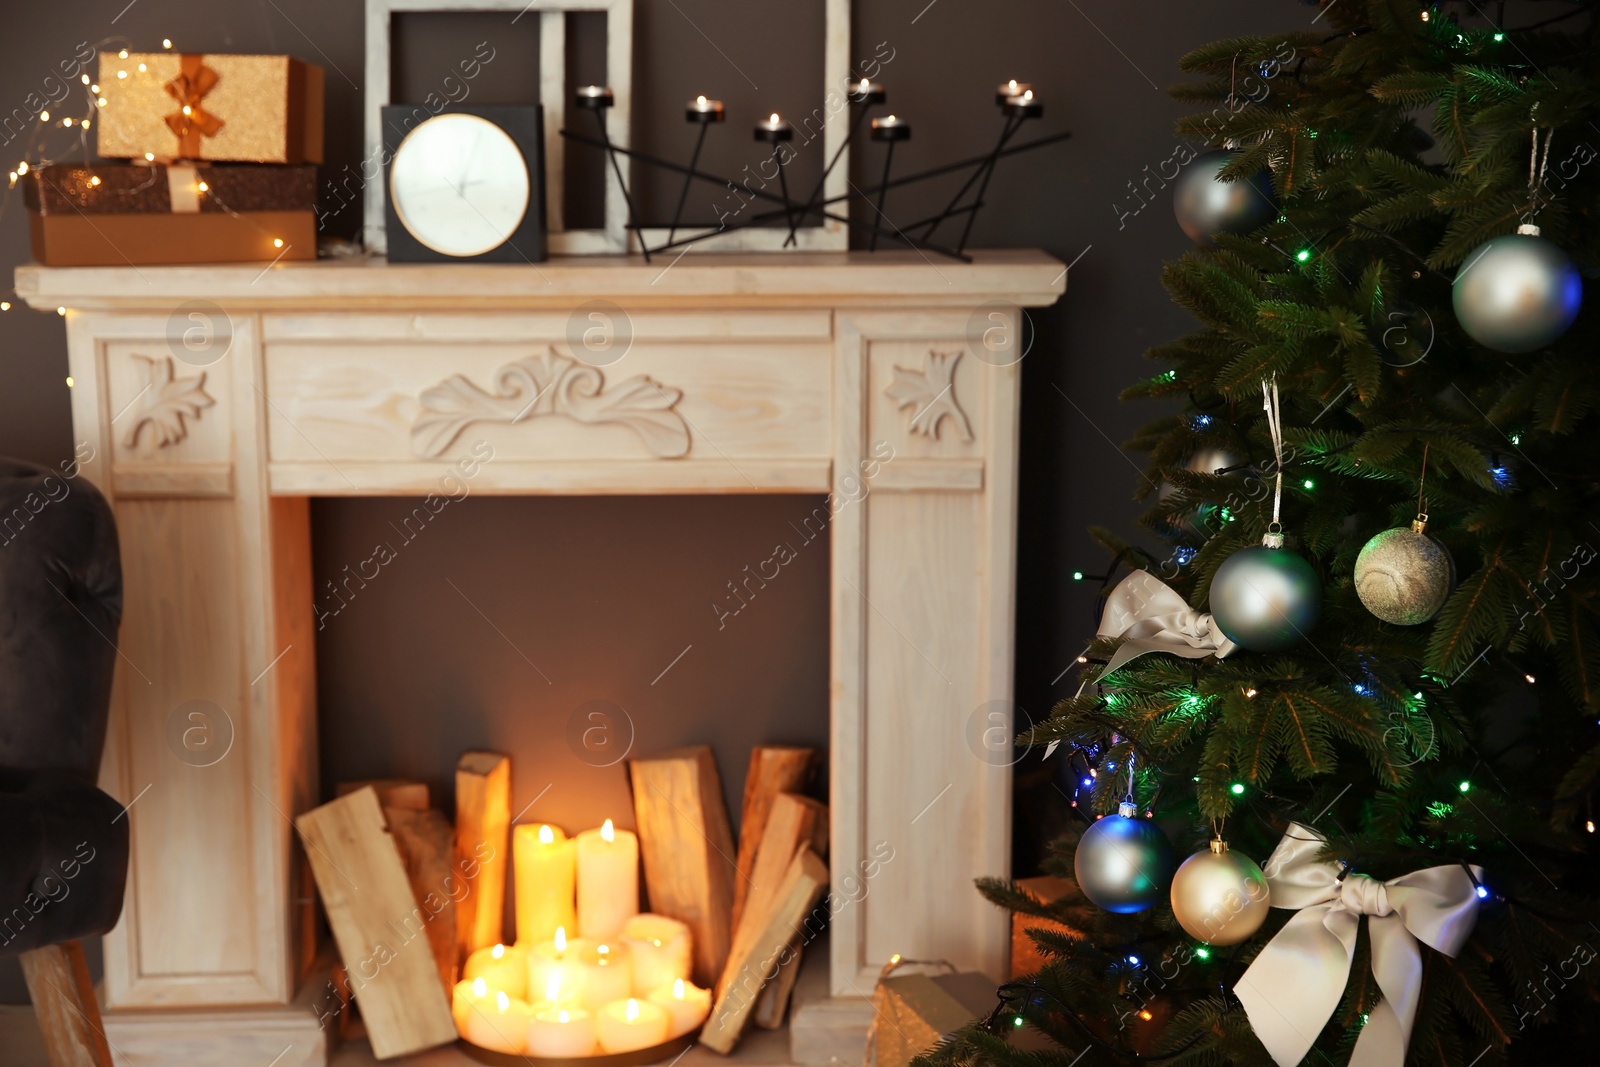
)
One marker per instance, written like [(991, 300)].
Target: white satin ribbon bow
[(1294, 985), (1154, 618)]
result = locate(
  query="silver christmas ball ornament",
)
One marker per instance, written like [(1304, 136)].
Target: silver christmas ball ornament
[(1265, 598), (1517, 293), (1220, 897), (1123, 863), (1403, 576), (1206, 206)]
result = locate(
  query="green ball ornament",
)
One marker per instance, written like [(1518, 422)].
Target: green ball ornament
[(1123, 863), (1404, 576), (1220, 897), (1265, 598)]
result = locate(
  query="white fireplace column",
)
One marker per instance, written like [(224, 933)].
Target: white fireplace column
[(882, 379)]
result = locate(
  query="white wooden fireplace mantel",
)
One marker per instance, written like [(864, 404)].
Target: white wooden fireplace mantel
[(746, 373)]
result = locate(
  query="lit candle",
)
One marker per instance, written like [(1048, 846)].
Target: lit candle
[(661, 949), (600, 971), (891, 128), (627, 1025), (705, 111), (608, 880), (500, 1025), (1005, 92), (1024, 105), (561, 1031), (867, 91), (502, 967), (549, 961), (467, 997), (774, 130), (546, 863), (593, 97), (686, 1004)]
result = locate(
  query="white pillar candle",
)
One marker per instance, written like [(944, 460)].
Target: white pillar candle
[(626, 1025), (561, 1031), (545, 860), (468, 996), (500, 1026), (601, 971), (504, 967), (661, 949), (686, 1004), (549, 960), (608, 880)]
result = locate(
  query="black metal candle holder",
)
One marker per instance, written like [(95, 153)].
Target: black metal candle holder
[(597, 99), (890, 131), (703, 113)]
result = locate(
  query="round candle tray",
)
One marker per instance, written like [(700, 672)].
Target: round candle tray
[(637, 1058)]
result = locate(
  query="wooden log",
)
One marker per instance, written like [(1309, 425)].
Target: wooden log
[(392, 792), (687, 848), (773, 1004), (64, 1006), (795, 822), (773, 769), (483, 848), (377, 925), (426, 841), (802, 887)]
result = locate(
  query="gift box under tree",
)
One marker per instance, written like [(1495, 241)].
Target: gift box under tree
[(169, 105)]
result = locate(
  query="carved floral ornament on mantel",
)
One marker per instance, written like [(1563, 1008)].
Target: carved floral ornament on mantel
[(931, 392), (551, 384), (170, 403)]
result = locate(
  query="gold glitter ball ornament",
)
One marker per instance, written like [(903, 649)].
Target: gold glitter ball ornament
[(1403, 576)]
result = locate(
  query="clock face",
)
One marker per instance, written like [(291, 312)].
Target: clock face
[(459, 185)]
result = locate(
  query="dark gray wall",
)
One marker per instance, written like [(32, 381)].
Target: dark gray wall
[(553, 573)]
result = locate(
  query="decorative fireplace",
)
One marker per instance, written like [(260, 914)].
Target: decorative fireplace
[(746, 374)]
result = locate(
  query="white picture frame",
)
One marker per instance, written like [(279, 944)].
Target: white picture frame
[(614, 237)]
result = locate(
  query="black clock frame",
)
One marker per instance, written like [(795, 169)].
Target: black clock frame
[(524, 124)]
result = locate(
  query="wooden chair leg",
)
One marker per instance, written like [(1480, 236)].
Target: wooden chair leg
[(64, 1004)]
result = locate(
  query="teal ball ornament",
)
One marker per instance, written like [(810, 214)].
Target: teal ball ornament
[(1123, 863), (1265, 599), (1206, 206), (1517, 293)]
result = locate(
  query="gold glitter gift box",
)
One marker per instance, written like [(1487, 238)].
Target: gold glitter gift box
[(171, 105), (912, 1012)]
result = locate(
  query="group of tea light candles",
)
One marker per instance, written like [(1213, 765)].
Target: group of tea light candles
[(622, 984)]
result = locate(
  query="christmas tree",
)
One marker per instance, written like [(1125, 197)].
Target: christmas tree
[(1438, 768)]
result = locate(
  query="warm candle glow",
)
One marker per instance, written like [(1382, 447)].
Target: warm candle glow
[(607, 831), (561, 939), (774, 118), (498, 951), (1013, 84), (1028, 95), (632, 1013), (547, 836), (552, 988), (891, 118), (865, 85), (187, 110), (700, 100), (677, 989), (203, 187), (563, 1016), (502, 1001), (480, 988), (603, 950)]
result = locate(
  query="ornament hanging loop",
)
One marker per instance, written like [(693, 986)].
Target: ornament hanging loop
[(1538, 163), (1273, 538)]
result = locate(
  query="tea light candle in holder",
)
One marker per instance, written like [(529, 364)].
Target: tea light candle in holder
[(686, 1004), (560, 1031), (890, 130), (774, 129), (504, 967), (1025, 105), (469, 996), (705, 112), (603, 972), (627, 1025), (867, 91), (608, 880), (500, 1025), (661, 949), (1002, 93), (593, 97), (598, 98)]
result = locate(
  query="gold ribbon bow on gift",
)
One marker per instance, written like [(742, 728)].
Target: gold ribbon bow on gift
[(1291, 990), (1154, 618), (192, 120)]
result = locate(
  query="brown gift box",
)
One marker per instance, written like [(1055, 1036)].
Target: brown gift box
[(1026, 958), (152, 215), (262, 109), (912, 1012)]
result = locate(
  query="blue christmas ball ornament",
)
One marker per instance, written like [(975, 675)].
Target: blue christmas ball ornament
[(1123, 863), (1517, 293)]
